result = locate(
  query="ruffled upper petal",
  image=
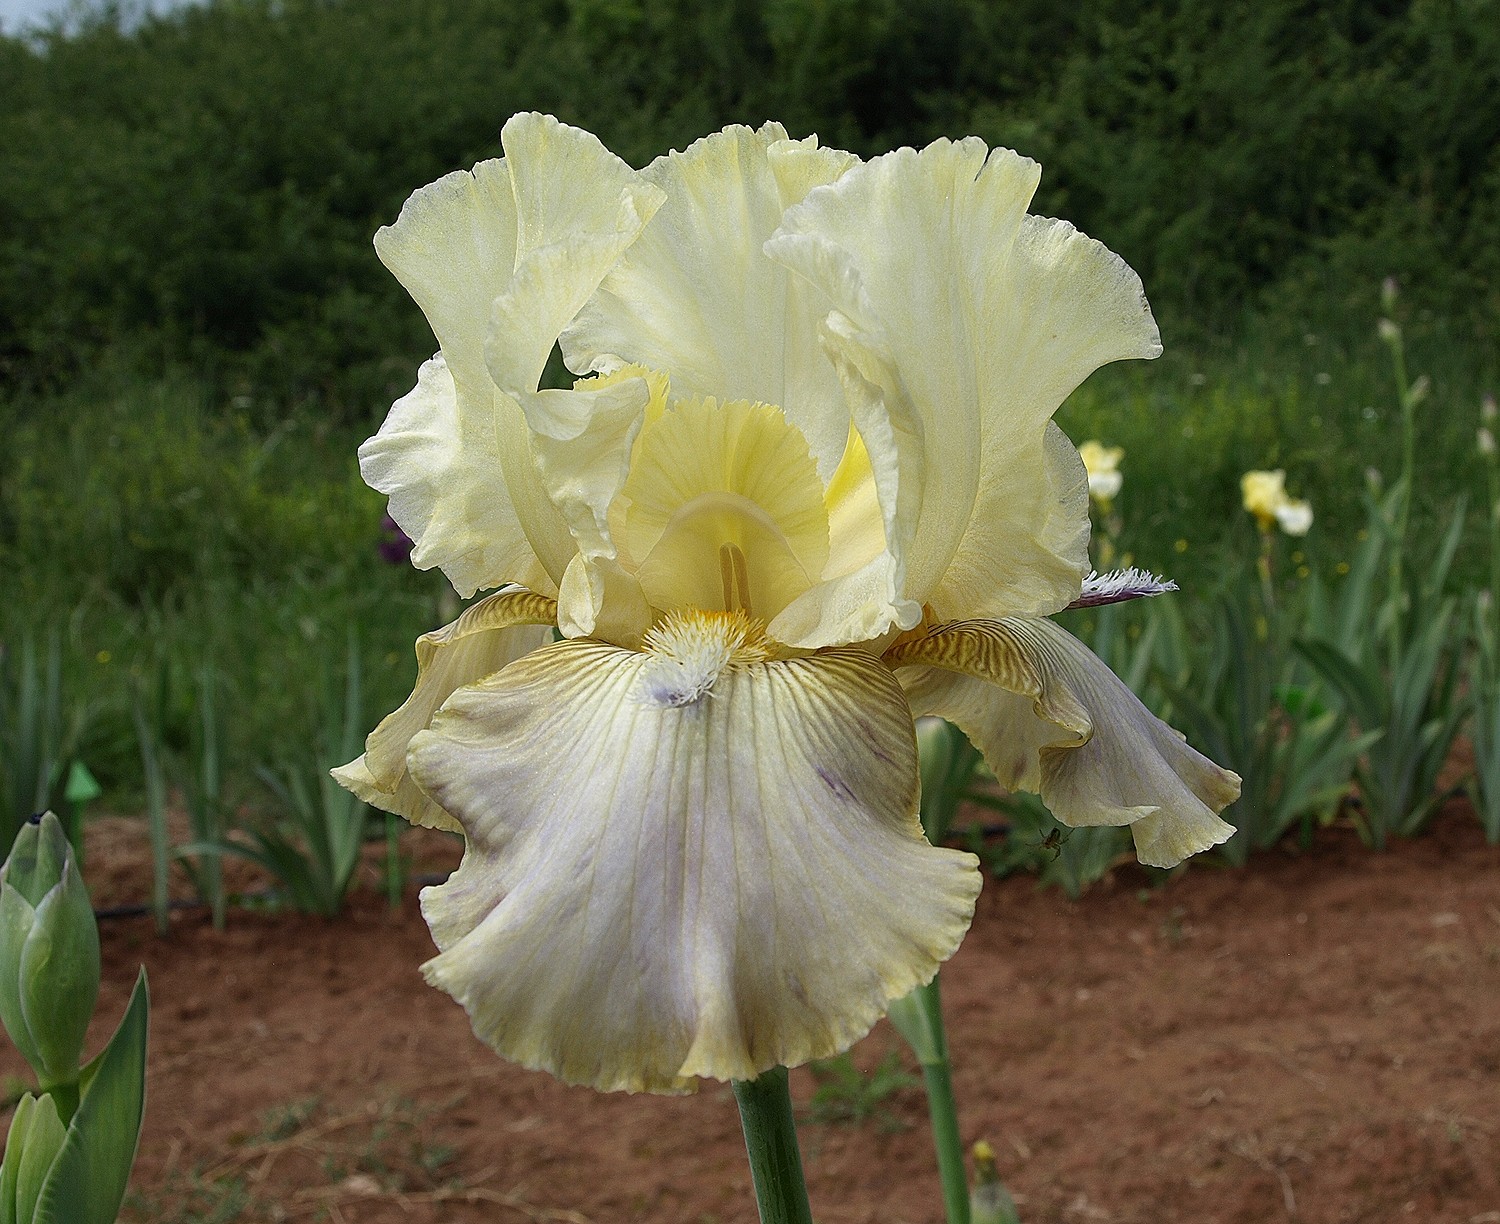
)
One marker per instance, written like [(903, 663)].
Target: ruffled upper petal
[(499, 259), (989, 318), (488, 635), (439, 460), (696, 296), (672, 880), (1050, 717)]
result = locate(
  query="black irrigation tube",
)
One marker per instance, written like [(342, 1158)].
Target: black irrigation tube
[(141, 910)]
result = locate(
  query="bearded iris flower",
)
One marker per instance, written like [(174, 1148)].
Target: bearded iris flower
[(805, 486)]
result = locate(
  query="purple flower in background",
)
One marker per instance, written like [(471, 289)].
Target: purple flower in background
[(395, 544)]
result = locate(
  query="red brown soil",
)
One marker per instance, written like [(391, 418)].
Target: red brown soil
[(1313, 1039)]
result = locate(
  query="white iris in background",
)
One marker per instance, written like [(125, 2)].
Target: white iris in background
[(805, 487), (1102, 463), (1265, 496)]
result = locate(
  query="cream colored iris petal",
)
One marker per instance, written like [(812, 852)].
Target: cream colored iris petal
[(709, 477), (578, 208), (453, 455), (492, 633), (439, 462), (695, 295), (990, 318), (600, 598), (498, 282), (654, 892), (454, 249), (1093, 752), (581, 442), (1028, 545), (873, 499)]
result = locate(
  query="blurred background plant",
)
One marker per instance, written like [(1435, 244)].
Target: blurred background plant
[(1397, 667)]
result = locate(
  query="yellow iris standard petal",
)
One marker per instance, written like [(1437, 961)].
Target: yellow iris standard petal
[(438, 456), (986, 319), (499, 259), (492, 633), (696, 296), (682, 862), (1050, 717), (724, 509)]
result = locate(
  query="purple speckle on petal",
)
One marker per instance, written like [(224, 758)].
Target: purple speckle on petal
[(836, 784)]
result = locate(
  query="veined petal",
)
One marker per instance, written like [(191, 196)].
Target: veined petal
[(661, 886), (438, 458), (1051, 718), (724, 509), (696, 295), (453, 248), (578, 208), (990, 318), (600, 598), (492, 633)]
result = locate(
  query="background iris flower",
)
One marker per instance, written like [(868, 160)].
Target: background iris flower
[(805, 487)]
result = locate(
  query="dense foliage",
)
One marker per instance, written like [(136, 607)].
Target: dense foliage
[(202, 187)]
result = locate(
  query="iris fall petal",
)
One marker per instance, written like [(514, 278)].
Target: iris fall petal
[(700, 887), (1051, 718), (493, 632)]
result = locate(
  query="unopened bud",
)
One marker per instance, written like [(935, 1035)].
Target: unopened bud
[(1388, 331), (32, 1146), (49, 951), (1388, 293), (1486, 442), (1487, 409), (1420, 390)]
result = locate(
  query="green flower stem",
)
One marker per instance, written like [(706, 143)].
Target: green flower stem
[(937, 1072), (771, 1140)]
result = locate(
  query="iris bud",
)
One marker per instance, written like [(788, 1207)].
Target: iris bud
[(31, 1149), (49, 951)]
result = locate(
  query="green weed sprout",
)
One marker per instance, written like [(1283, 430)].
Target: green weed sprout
[(199, 776), (71, 1144)]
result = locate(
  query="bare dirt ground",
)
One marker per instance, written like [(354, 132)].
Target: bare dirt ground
[(1314, 1039)]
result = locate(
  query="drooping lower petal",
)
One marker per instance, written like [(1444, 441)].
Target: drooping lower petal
[(667, 881), (492, 633), (1050, 717)]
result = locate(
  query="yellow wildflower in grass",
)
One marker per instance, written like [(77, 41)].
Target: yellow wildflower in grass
[(1102, 463), (1265, 496), (805, 487)]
